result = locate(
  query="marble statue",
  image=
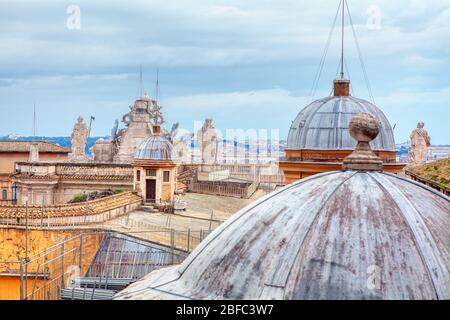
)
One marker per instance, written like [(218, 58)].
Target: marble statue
[(79, 138), (114, 130), (171, 136), (180, 144), (207, 142), (34, 152), (181, 151), (420, 141)]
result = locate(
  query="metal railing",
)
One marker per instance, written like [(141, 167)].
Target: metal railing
[(185, 240), (223, 188), (94, 254), (44, 275), (433, 184)]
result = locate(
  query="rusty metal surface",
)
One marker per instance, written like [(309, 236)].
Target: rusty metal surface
[(324, 237), (323, 125), (122, 256)]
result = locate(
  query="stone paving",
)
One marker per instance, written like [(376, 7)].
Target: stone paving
[(196, 217)]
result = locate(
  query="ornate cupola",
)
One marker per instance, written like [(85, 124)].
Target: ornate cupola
[(319, 138)]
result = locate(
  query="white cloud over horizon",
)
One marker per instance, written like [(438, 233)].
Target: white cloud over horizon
[(246, 63)]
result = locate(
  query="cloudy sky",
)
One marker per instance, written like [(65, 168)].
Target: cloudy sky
[(246, 64)]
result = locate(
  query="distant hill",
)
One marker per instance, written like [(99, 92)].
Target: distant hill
[(437, 171), (61, 141)]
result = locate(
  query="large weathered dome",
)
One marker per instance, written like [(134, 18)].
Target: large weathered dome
[(321, 238), (156, 147), (323, 125)]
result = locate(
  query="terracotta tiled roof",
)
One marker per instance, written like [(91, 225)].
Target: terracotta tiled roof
[(69, 210), (32, 176), (24, 146), (96, 177), (74, 177)]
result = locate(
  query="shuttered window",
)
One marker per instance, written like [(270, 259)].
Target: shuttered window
[(166, 176)]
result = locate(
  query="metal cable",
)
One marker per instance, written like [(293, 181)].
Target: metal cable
[(322, 60), (349, 77), (366, 78)]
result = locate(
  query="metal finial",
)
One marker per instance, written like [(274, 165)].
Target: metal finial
[(363, 128)]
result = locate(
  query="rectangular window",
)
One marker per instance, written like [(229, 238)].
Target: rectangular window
[(4, 194), (166, 176), (151, 172), (14, 192), (138, 175)]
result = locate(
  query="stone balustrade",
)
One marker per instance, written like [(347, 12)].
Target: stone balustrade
[(37, 169), (118, 170), (74, 169), (70, 214)]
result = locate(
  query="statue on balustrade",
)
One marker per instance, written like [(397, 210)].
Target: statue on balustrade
[(79, 139), (207, 140), (420, 141)]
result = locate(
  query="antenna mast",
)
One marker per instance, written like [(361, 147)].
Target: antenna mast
[(34, 120), (140, 81), (342, 41), (157, 85)]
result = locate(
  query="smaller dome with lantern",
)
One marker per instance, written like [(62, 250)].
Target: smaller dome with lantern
[(156, 147)]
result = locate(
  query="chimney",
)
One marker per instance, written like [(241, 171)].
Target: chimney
[(156, 130), (34, 152), (341, 87)]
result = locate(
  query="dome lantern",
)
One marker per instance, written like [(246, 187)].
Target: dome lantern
[(341, 87)]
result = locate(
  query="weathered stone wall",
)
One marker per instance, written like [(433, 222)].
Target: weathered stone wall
[(7, 167), (102, 151), (58, 183)]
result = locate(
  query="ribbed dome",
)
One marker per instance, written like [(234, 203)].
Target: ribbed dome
[(156, 147), (323, 125), (321, 238)]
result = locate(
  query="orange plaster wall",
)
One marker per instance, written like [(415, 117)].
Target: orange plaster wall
[(166, 195), (333, 155), (304, 163), (12, 248), (8, 159)]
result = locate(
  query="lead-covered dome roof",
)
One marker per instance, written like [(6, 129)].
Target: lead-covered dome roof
[(157, 147), (323, 125), (336, 235)]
